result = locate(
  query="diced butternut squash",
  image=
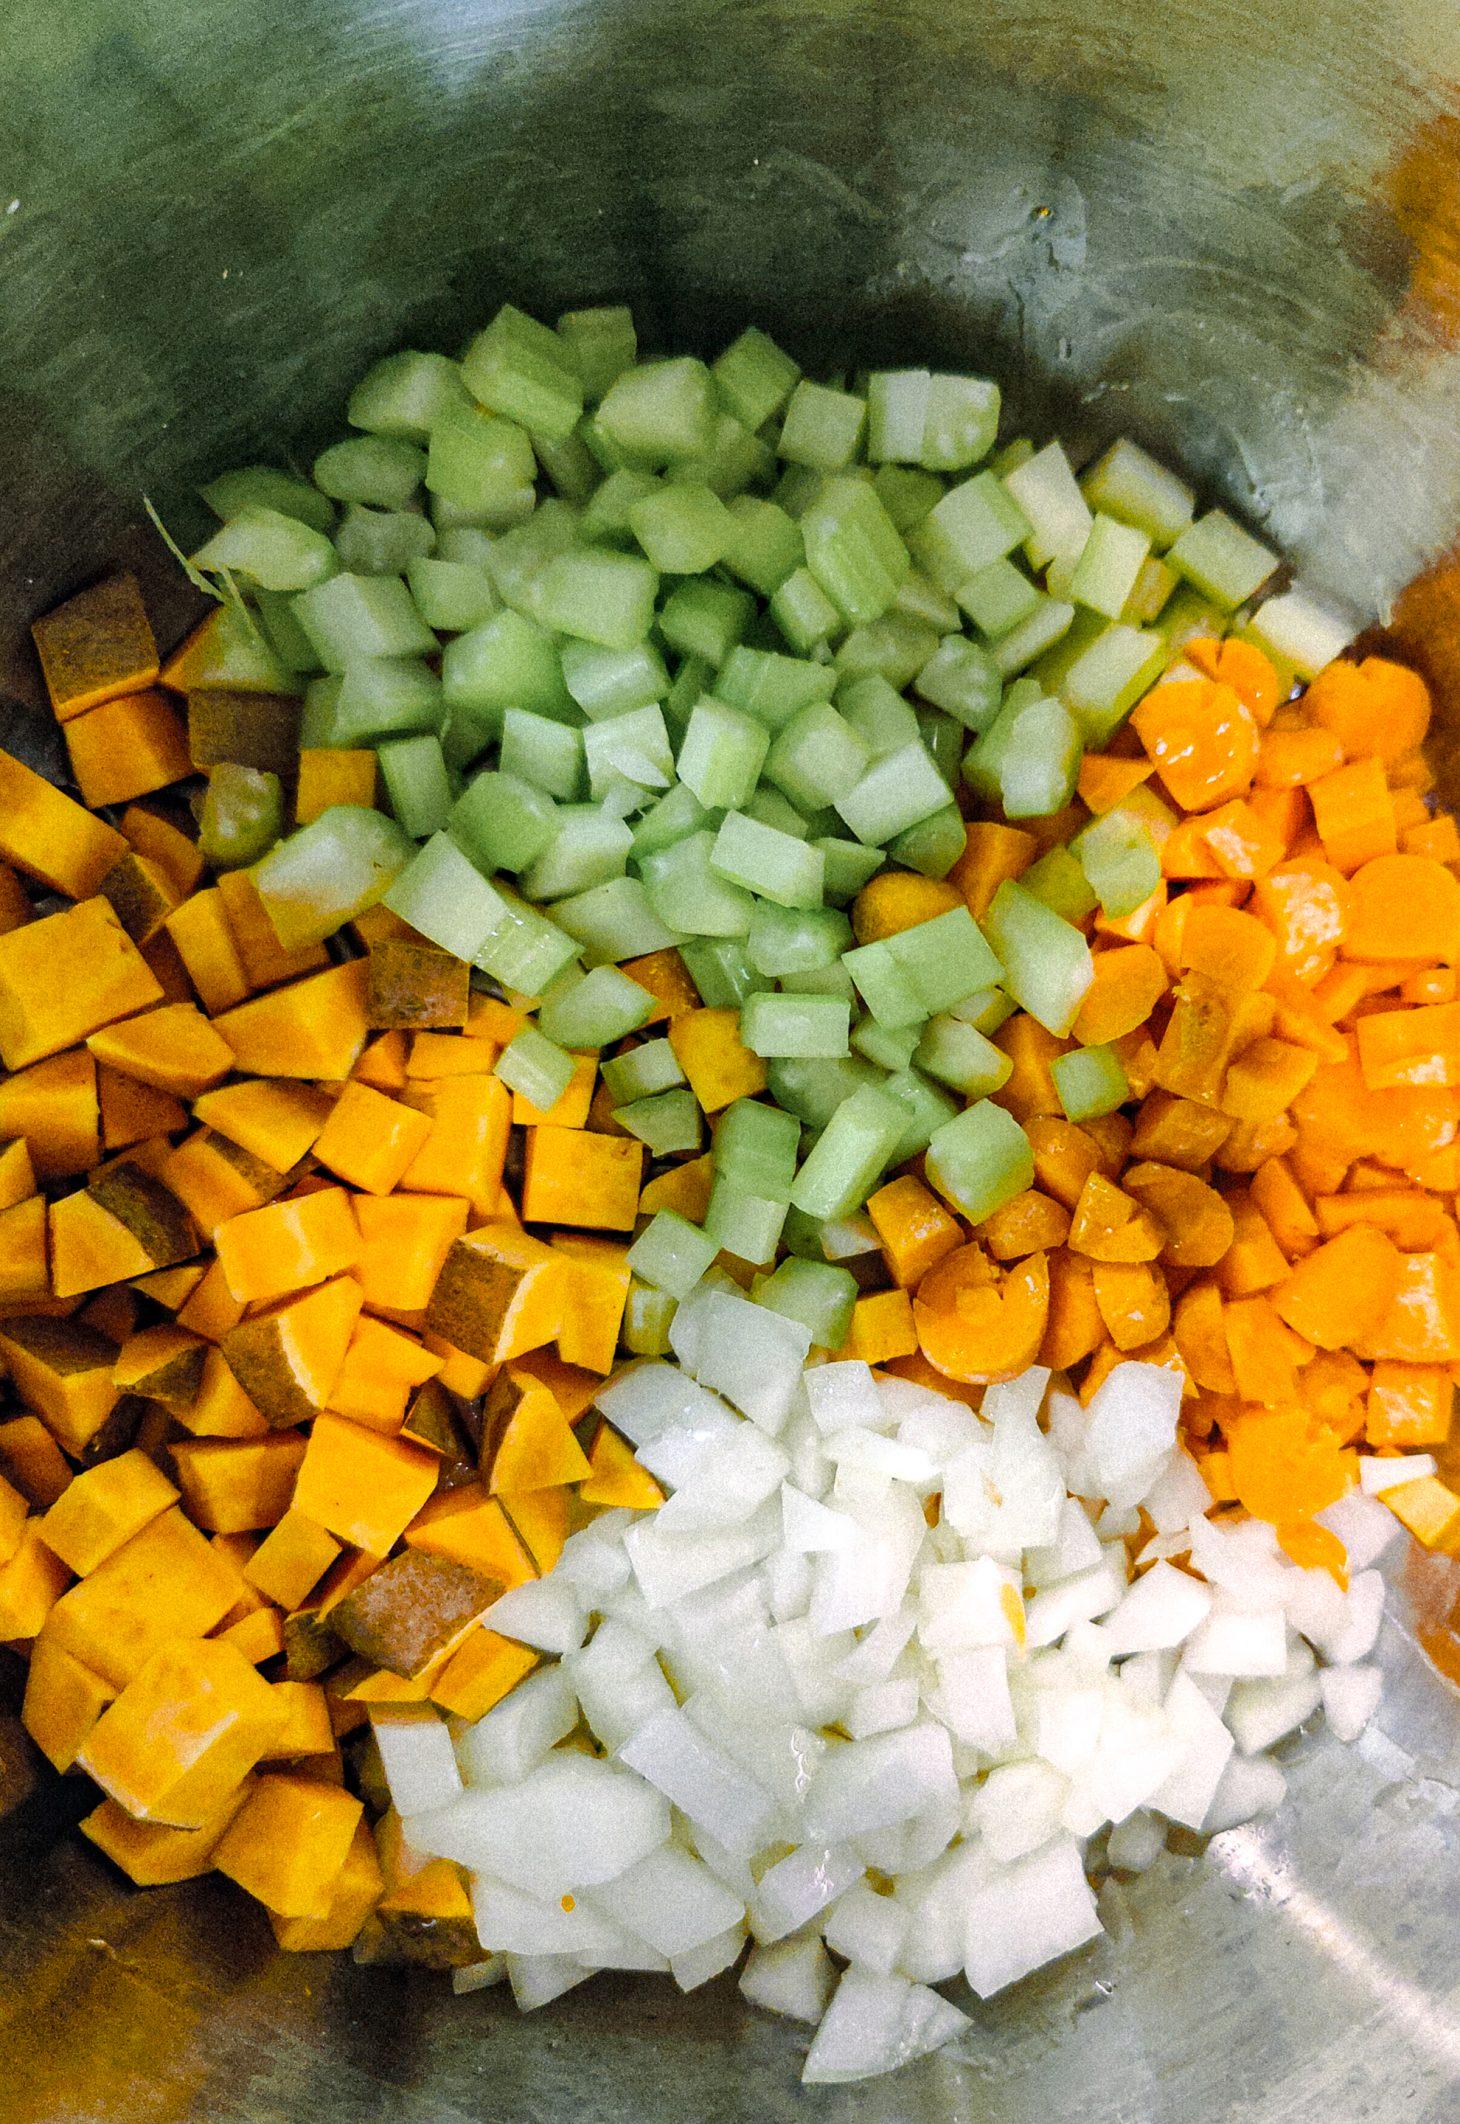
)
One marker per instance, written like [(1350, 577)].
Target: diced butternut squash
[(63, 1701), (184, 1732), (288, 1246), (383, 1062), (53, 1105), (483, 1669), (173, 1049), (291, 1560), (266, 961), (472, 1528), (381, 1370), (63, 1370), (574, 1177), (310, 1028), (200, 932), (288, 1358), (356, 1891), (152, 1854), (163, 1363), (411, 1609), (369, 1141), (221, 1409), (362, 1486), (99, 643), (599, 1279), (165, 844), (166, 1583), (25, 1273), (466, 1150), (141, 895), (128, 748), (134, 1113), (617, 1478), (330, 776), (148, 1209), (882, 1327), (103, 1508), (65, 977), (528, 1443), (14, 1509), (277, 1122), (404, 1240), (217, 1179), (31, 1459), (31, 1584), (539, 1519), (719, 1066), (684, 1188), (500, 1292), (234, 1485)]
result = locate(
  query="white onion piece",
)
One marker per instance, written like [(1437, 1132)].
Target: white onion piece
[(1026, 1915), (792, 1977), (1350, 1698), (874, 2024), (417, 1756)]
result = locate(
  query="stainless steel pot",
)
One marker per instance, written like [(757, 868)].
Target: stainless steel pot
[(1228, 228)]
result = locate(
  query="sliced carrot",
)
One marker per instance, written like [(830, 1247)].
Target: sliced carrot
[(1201, 739), (1073, 1327), (914, 1228), (1287, 759), (979, 1323), (1201, 1337), (1127, 985), (1341, 1292), (1133, 1302), (1242, 666), (1354, 814), (1375, 708)]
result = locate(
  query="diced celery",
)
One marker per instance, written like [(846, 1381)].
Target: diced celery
[(934, 845), (650, 1067), (242, 815), (264, 487), (890, 1049), (1128, 484), (635, 746), (385, 696), (849, 1156), (601, 343), (896, 792), (722, 753), (705, 619), (905, 494), (609, 682), (671, 1253), (690, 896), (803, 611), (1090, 1081), (755, 377), (854, 549), (546, 753), (1187, 615), (1121, 860), (525, 950), (536, 1067), (980, 1160), (605, 519), (595, 1010), (720, 970), (765, 547), (648, 1318), (963, 680), (976, 522), (793, 941), (1047, 963), (756, 1146), (481, 464), (962, 421), (1057, 513), (1058, 881), (677, 813), (813, 1091), (275, 664), (468, 543), (736, 459), (1151, 593), (502, 822), (921, 599), (885, 985), (817, 1294), (1015, 651), (1224, 562), (772, 864), (599, 596), (660, 411), (849, 865), (275, 551), (380, 469), (441, 893), (960, 1056), (822, 428), (384, 542), (506, 662), (519, 557), (772, 687), (683, 529), (317, 720), (1107, 679), (406, 394), (925, 1110), (329, 871), (1300, 633), (1110, 561), (745, 1225), (613, 921), (832, 980), (897, 415), (817, 757), (416, 783), (1029, 758), (520, 368), (894, 648), (570, 466), (999, 597), (986, 1011), (883, 720), (667, 1121), (585, 847), (450, 595), (944, 959), (795, 1025)]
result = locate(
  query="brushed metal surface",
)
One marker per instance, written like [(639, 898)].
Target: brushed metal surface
[(1226, 227)]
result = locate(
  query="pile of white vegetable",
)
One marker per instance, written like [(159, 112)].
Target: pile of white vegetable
[(786, 1708)]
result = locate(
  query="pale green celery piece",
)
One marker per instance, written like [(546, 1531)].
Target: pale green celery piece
[(817, 757), (963, 680), (1300, 633), (276, 551), (605, 519), (920, 599), (944, 959), (444, 896), (906, 494), (613, 921), (976, 522), (755, 376), (705, 619), (999, 598), (721, 754), (417, 784), (745, 1225), (319, 716), (845, 1238), (1052, 668), (795, 490), (1103, 684), (481, 464), (962, 421), (896, 792), (885, 985), (536, 1067), (406, 394), (772, 809), (604, 1006), (983, 765), (330, 871), (1128, 484), (833, 980), (801, 1236), (570, 466), (849, 865), (677, 813), (521, 369), (1110, 562), (503, 821), (1062, 885), (380, 469), (1119, 856), (894, 648), (774, 865), (891, 1049), (1056, 512), (1032, 638), (450, 595), (600, 343), (926, 1107), (858, 1141), (672, 1254), (804, 613), (619, 798), (683, 529), (382, 541), (783, 941), (1224, 562), (795, 1025), (765, 546), (468, 543), (452, 516), (1015, 453), (980, 1160), (822, 428), (648, 1318), (1047, 963), (639, 1071), (1090, 1081), (605, 450), (879, 715), (386, 696), (265, 487), (1153, 588), (934, 845), (736, 459), (609, 682), (585, 848), (853, 548), (1039, 763), (544, 752), (897, 415), (813, 1091), (958, 1055), (720, 970), (661, 411), (525, 950), (817, 1294), (519, 557), (349, 617), (508, 661), (986, 1011), (634, 747), (772, 687), (274, 665), (668, 1121), (1187, 615), (689, 683), (242, 816), (599, 596), (688, 894)]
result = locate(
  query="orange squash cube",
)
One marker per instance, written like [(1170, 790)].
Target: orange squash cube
[(186, 1730), (362, 1486), (66, 976), (288, 1843), (104, 1507)]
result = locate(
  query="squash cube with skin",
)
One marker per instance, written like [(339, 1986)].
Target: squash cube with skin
[(163, 1363), (471, 1527), (362, 1486), (63, 1370), (426, 1921), (539, 1519), (166, 1583), (288, 1246), (415, 985), (151, 1853), (222, 1409), (141, 894), (67, 976), (95, 646), (528, 1443), (500, 1292), (236, 1485), (411, 1609), (289, 1842), (63, 1701), (217, 1179), (278, 1122), (288, 1358), (187, 1728), (258, 1636), (104, 1507), (356, 1891)]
